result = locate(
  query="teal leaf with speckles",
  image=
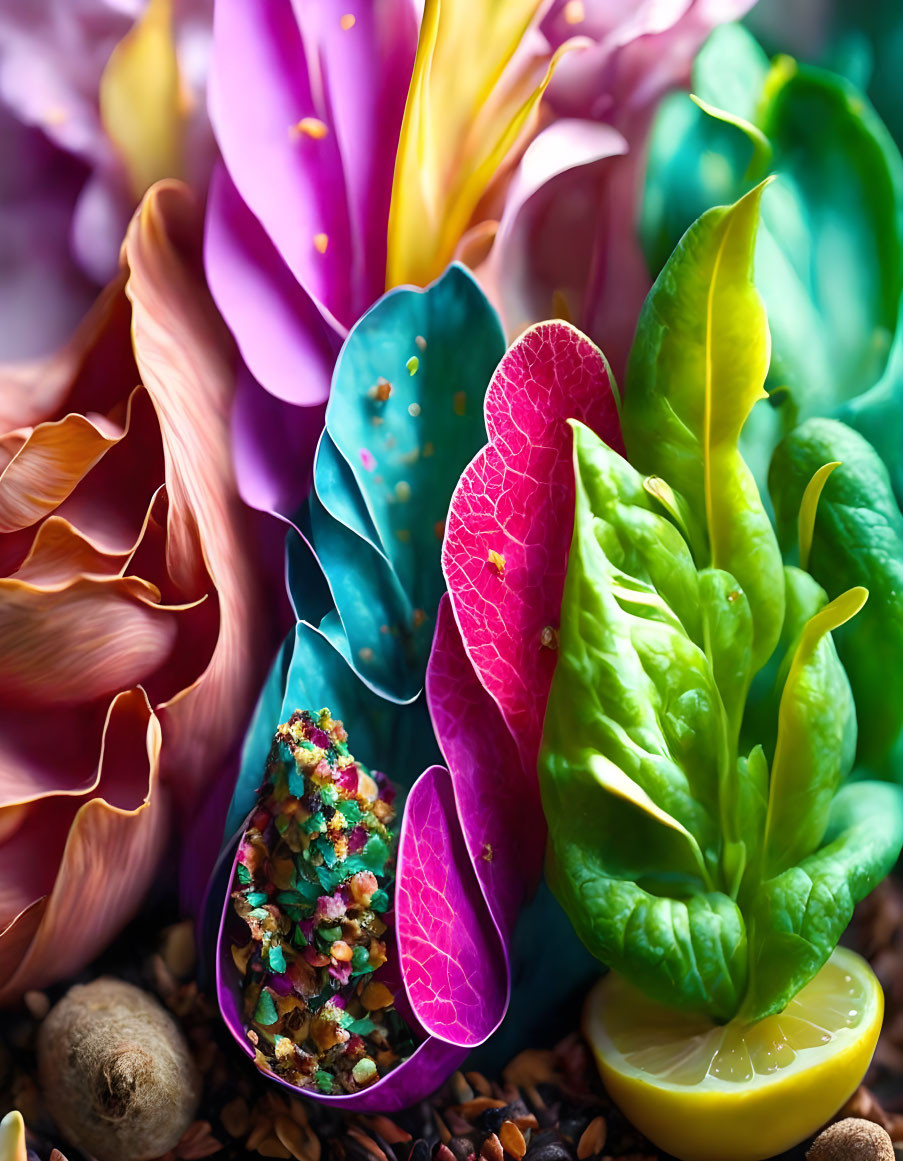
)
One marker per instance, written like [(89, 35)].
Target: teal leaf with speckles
[(309, 673), (405, 417)]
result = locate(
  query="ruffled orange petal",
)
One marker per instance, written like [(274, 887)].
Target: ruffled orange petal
[(53, 458), (113, 848), (81, 640), (187, 365)]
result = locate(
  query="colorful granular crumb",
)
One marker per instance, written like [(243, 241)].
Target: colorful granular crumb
[(313, 873)]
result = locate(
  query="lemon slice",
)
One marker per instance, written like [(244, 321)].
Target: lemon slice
[(706, 1092)]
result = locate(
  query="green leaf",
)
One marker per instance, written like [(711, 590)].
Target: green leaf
[(697, 366), (635, 748), (857, 540), (832, 293), (816, 740), (799, 916)]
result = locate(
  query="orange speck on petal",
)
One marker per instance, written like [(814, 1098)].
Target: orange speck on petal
[(311, 127), (321, 241), (347, 22), (574, 12), (497, 560)]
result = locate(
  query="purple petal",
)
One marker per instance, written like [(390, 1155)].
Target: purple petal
[(273, 445), (365, 72), (498, 802), (43, 295), (641, 51), (260, 100), (534, 264), (282, 336), (454, 964)]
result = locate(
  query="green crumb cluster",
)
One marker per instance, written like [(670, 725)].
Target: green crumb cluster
[(311, 883)]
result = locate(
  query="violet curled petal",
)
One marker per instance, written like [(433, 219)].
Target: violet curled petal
[(366, 58), (511, 516), (498, 804), (270, 129), (266, 481), (415, 1078), (281, 334), (454, 963)]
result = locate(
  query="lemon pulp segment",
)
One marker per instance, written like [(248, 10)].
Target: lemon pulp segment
[(743, 1092)]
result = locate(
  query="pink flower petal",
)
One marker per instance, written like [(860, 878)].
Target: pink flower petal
[(498, 803), (511, 516), (450, 952)]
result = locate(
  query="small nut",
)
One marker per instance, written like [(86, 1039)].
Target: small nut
[(852, 1139)]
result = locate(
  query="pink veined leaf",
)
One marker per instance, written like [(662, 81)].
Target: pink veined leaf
[(499, 807), (448, 945), (511, 517)]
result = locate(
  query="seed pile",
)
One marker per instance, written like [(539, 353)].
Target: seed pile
[(311, 886)]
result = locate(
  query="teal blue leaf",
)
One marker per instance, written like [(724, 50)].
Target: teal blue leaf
[(405, 417), (310, 673)]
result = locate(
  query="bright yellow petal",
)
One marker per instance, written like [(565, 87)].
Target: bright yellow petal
[(140, 104), (12, 1138), (467, 105)]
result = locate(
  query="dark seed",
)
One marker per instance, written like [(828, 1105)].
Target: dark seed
[(420, 1151), (461, 1148)]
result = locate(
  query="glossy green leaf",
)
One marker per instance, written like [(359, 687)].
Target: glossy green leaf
[(635, 746), (816, 740), (798, 917), (857, 540), (697, 366), (828, 258), (404, 418)]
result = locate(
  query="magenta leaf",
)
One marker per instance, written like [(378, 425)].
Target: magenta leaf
[(448, 945), (511, 517), (498, 805)]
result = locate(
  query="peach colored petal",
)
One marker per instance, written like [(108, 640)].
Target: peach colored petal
[(51, 461), (17, 936), (113, 848), (187, 365), (60, 551), (33, 391), (109, 504), (32, 769), (75, 642)]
